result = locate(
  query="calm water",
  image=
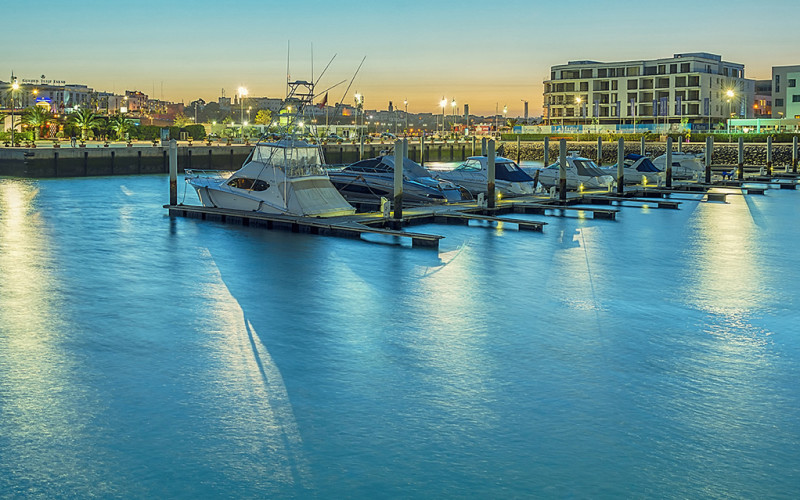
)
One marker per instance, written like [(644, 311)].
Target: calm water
[(656, 356)]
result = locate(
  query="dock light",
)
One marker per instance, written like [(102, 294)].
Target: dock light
[(580, 188), (15, 85)]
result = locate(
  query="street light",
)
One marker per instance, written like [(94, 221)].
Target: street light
[(242, 93), (443, 103), (405, 103), (14, 86), (730, 95), (578, 101), (453, 104), (359, 99)]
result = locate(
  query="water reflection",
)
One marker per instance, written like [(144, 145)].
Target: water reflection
[(40, 399), (247, 377), (724, 270)]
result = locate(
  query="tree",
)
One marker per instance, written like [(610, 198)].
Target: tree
[(119, 125), (84, 119), (37, 117), (181, 121), (263, 117)]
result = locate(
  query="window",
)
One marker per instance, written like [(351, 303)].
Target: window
[(791, 83), (673, 68), (778, 102), (796, 98), (684, 67), (777, 83)]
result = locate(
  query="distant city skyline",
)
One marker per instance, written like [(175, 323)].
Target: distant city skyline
[(420, 51)]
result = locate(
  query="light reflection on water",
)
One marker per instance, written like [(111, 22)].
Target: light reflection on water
[(143, 357)]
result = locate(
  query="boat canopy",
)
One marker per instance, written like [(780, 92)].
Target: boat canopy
[(385, 164), (510, 171), (644, 165), (587, 168)]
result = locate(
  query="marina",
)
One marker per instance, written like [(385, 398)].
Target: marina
[(456, 393)]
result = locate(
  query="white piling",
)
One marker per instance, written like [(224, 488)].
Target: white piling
[(173, 172)]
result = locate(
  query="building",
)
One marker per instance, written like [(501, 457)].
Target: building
[(699, 88), (785, 92), (762, 105), (57, 94)]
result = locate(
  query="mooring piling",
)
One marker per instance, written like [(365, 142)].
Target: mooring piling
[(519, 149), (599, 151), (562, 170), (794, 155), (173, 172), (641, 148), (422, 149), (740, 172), (669, 163), (769, 155), (398, 180), (708, 154), (620, 166), (491, 174), (546, 151), (483, 146)]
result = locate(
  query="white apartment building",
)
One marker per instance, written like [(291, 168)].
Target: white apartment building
[(698, 87), (785, 92)]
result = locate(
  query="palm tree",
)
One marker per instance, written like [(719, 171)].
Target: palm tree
[(119, 124), (37, 117), (84, 119)]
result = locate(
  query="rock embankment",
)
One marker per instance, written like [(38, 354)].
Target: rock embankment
[(724, 154)]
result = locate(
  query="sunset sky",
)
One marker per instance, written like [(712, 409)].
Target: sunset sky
[(481, 53)]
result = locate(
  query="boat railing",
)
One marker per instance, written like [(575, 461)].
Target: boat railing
[(209, 174)]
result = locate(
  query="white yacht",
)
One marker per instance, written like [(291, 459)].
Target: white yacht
[(282, 177), (473, 175), (637, 169), (684, 165), (582, 173)]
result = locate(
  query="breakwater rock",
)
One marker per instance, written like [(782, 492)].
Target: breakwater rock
[(724, 154)]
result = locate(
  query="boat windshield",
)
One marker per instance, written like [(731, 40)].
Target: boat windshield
[(296, 161), (469, 166)]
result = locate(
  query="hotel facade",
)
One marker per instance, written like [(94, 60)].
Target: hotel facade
[(696, 88)]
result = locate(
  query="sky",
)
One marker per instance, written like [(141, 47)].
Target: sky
[(485, 54)]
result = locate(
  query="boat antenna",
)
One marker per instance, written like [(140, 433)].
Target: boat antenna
[(323, 72), (339, 105), (288, 42)]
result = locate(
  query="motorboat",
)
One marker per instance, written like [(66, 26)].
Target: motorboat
[(684, 165), (367, 181), (473, 174), (582, 173), (285, 176), (637, 169)]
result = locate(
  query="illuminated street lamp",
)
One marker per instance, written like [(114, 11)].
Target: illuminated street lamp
[(359, 99), (14, 87), (453, 104), (578, 101), (730, 94), (242, 93), (405, 103), (443, 103)]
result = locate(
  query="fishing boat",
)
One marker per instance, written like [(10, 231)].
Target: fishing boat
[(366, 181), (582, 173), (473, 174), (286, 177)]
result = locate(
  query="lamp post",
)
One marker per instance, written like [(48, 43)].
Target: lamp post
[(505, 112), (14, 87), (578, 101), (443, 103), (242, 93), (405, 103), (730, 95), (359, 99), (453, 104)]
